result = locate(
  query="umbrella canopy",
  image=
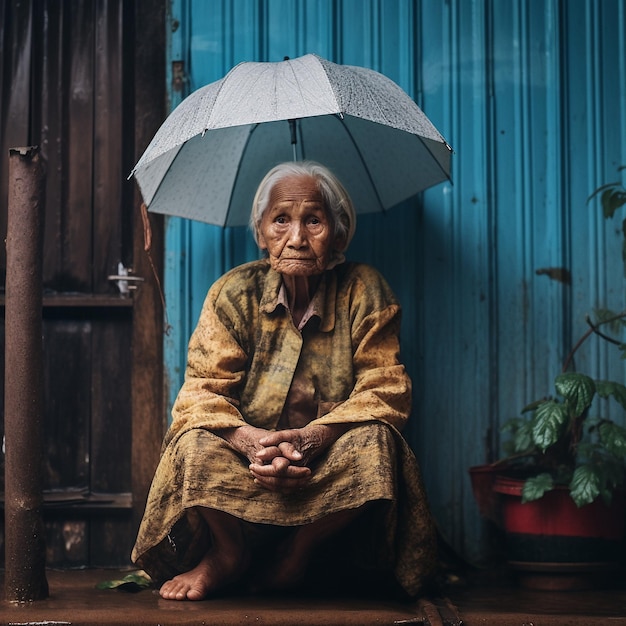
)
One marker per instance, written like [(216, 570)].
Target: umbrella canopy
[(210, 154)]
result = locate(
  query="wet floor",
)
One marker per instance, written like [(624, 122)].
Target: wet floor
[(74, 599)]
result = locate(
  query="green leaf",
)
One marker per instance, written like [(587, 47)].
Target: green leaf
[(612, 199), (607, 388), (577, 389), (532, 406), (586, 485), (523, 439), (609, 319), (614, 439), (520, 439), (602, 188), (135, 581), (548, 422), (612, 474), (535, 487)]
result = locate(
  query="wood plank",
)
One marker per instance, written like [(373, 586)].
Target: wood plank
[(111, 422), (76, 595), (110, 540), (50, 98), (2, 387), (82, 501), (83, 108), (109, 113), (67, 544), (77, 210), (148, 392), (67, 394), (82, 301)]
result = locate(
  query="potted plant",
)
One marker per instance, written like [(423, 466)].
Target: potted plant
[(559, 491)]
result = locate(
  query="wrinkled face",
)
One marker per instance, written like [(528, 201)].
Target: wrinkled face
[(296, 229)]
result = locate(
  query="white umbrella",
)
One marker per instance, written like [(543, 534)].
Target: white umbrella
[(208, 157)]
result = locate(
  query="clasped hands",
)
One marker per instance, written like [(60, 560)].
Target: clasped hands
[(279, 460)]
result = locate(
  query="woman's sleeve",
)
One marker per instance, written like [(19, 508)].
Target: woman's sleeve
[(209, 397), (382, 388)]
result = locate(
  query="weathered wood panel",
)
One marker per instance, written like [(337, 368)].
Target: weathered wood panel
[(77, 234), (110, 436), (149, 420), (67, 395), (67, 83), (112, 128), (53, 121)]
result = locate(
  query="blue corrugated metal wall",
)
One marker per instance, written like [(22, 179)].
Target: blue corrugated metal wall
[(531, 94)]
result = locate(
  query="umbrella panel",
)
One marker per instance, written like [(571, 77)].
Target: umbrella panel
[(380, 166), (213, 177)]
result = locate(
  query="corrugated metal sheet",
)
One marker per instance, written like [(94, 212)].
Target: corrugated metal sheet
[(496, 271)]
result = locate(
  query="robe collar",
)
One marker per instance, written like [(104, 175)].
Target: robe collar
[(322, 304)]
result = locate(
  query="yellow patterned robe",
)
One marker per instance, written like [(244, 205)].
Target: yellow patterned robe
[(244, 358)]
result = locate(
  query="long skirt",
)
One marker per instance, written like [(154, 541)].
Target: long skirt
[(370, 463)]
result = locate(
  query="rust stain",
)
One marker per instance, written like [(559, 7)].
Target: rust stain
[(562, 274)]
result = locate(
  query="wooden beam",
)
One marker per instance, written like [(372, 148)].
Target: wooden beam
[(148, 392)]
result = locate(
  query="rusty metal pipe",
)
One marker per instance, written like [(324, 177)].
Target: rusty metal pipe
[(25, 550)]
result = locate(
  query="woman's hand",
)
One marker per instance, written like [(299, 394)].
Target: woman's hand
[(282, 464), (279, 468), (244, 439)]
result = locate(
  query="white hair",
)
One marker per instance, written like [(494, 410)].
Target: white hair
[(336, 198)]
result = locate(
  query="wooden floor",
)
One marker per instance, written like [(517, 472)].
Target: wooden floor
[(74, 599)]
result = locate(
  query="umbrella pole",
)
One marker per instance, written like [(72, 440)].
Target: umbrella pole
[(25, 550), (294, 138)]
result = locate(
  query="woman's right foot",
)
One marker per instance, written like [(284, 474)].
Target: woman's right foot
[(212, 573)]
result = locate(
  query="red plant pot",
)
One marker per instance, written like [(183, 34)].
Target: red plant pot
[(553, 536), (550, 542)]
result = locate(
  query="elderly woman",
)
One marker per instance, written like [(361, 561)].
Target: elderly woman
[(286, 432)]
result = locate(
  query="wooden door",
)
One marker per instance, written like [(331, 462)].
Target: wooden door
[(85, 81)]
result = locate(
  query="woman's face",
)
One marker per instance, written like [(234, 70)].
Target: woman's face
[(296, 229)]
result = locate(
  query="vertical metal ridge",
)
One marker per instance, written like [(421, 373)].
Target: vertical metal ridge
[(597, 241), (532, 96)]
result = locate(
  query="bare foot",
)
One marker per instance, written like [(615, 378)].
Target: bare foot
[(288, 570), (214, 571)]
